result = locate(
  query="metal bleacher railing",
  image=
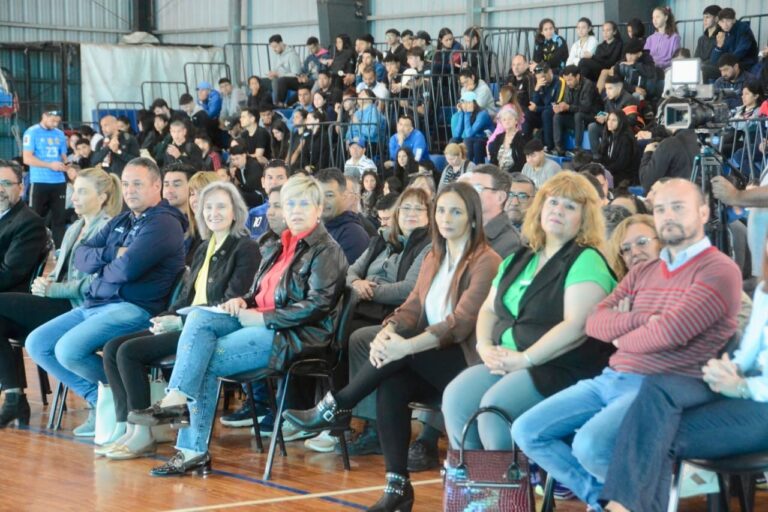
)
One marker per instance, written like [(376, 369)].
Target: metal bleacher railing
[(169, 91)]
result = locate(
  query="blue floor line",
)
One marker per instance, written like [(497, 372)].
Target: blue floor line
[(245, 478)]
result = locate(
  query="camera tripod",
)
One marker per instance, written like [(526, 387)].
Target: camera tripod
[(707, 164)]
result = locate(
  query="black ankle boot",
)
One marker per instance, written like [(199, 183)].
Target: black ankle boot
[(15, 407), (324, 416), (398, 495)]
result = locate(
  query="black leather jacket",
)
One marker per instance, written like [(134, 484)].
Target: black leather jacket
[(306, 299), (230, 271)]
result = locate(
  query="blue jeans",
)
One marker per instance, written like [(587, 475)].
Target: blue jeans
[(477, 387), (213, 345), (591, 408), (66, 346), (676, 417)]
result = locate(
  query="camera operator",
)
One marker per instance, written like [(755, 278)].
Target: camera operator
[(669, 158)]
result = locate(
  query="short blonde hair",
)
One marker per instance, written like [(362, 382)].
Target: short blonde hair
[(300, 185), (202, 179), (239, 209), (617, 263), (453, 148), (577, 188)]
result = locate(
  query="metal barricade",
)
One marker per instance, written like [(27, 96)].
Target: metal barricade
[(504, 43), (740, 145), (195, 72), (169, 91), (247, 59), (375, 147), (129, 109)]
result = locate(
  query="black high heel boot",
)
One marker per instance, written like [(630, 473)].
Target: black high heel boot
[(15, 407), (324, 416), (398, 495)]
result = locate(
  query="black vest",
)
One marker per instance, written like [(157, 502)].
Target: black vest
[(540, 309)]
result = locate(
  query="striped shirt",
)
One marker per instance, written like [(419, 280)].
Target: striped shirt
[(694, 306)]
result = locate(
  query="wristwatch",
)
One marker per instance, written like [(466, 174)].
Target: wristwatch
[(743, 390)]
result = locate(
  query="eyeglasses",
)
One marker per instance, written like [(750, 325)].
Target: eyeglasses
[(639, 242), (480, 188), (8, 184), (520, 196), (416, 209)]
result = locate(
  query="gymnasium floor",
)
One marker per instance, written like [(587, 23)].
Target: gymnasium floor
[(52, 471)]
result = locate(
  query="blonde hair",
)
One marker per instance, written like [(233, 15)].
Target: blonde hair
[(577, 188), (105, 183), (198, 182), (614, 258), (239, 210), (456, 149), (300, 185)]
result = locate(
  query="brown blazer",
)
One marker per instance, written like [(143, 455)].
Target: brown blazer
[(477, 273)]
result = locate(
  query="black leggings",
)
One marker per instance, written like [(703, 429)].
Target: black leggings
[(20, 314), (421, 377), (125, 363)]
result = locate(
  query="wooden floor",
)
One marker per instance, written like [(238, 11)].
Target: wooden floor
[(53, 471)]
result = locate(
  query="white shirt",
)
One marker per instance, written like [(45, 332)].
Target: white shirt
[(578, 49), (437, 304), (752, 355), (685, 256)]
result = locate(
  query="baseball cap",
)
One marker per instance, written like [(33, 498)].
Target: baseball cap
[(201, 86)]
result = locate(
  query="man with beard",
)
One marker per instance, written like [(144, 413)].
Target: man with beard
[(521, 192), (667, 316)]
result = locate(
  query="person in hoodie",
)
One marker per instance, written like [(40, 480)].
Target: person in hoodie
[(343, 225), (670, 158), (637, 70), (549, 48), (707, 42), (195, 115), (135, 259), (182, 148), (736, 38), (209, 99), (285, 64), (617, 148), (616, 98)]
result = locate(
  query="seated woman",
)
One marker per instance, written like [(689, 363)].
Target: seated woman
[(469, 124), (677, 418), (291, 312), (617, 148), (456, 164), (633, 241), (222, 268), (381, 280), (314, 146), (426, 342), (371, 182), (606, 55), (530, 329), (405, 166), (506, 150), (96, 198)]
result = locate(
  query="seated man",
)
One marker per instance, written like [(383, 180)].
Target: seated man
[(369, 80), (358, 163), (285, 64), (522, 189), (547, 91), (343, 225), (368, 61), (537, 166), (707, 42), (115, 149), (22, 232), (176, 191), (194, 114), (736, 37), (246, 173), (407, 137), (209, 99), (732, 79), (182, 148), (580, 104), (669, 315), (275, 174), (670, 158), (637, 70), (493, 186), (616, 98), (136, 258)]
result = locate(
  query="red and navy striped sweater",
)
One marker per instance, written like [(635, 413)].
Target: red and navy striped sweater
[(695, 309)]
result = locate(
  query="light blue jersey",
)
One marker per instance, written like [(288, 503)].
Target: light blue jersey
[(48, 146)]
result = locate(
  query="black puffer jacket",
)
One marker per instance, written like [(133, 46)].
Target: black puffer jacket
[(306, 298), (230, 272)]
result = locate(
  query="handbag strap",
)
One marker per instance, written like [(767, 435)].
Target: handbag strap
[(482, 410)]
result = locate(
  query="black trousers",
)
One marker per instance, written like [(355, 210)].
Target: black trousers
[(421, 377), (284, 84), (50, 198), (20, 314), (125, 363)]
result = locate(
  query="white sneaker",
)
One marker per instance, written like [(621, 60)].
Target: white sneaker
[(324, 443), (290, 433)]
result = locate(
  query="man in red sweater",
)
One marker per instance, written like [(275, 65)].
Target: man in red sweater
[(668, 316)]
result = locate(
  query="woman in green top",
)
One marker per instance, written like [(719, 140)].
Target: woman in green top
[(530, 329)]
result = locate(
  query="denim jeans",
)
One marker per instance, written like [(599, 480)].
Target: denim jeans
[(591, 408), (66, 346), (678, 417), (476, 387), (213, 345)]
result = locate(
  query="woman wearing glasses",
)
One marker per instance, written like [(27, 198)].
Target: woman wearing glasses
[(633, 241), (530, 329), (381, 279), (424, 344)]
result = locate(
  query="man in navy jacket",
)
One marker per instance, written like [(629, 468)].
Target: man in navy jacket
[(136, 259)]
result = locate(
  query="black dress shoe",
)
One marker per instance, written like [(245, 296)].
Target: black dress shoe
[(367, 443), (16, 408), (398, 495), (422, 456), (177, 466), (324, 416), (156, 415)]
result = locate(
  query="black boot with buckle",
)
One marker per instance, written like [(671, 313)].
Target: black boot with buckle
[(15, 407), (398, 495), (324, 416)]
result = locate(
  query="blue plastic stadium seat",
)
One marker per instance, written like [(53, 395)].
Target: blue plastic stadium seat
[(438, 161), (585, 141), (570, 141), (286, 112), (636, 190), (291, 97), (559, 159), (494, 89)]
